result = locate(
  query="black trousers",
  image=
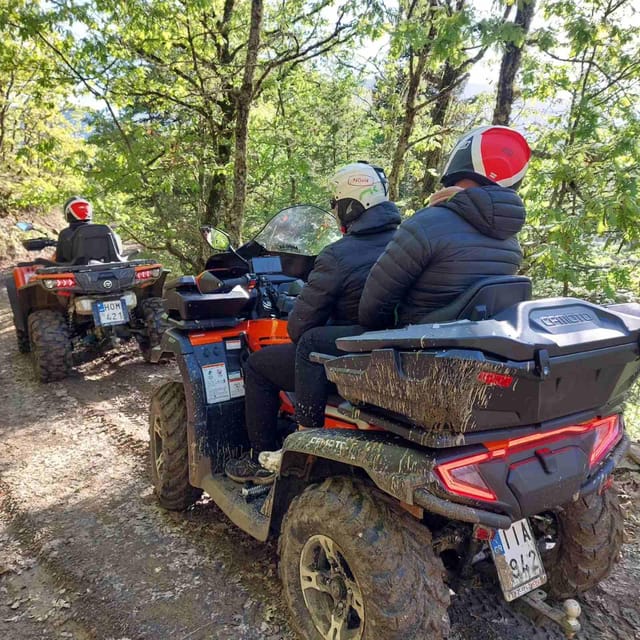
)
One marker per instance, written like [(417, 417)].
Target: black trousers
[(287, 368)]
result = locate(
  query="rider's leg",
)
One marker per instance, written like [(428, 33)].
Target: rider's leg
[(312, 386), (266, 373)]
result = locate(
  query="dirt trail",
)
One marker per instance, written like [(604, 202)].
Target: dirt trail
[(86, 553)]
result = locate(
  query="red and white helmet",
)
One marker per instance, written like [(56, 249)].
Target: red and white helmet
[(489, 155), (78, 209)]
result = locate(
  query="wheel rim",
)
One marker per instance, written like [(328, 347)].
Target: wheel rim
[(331, 591), (158, 453)]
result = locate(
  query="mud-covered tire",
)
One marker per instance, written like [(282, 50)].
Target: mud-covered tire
[(168, 438), (386, 550), (588, 544), (22, 338), (50, 345), (152, 312)]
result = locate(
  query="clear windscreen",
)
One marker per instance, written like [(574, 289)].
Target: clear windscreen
[(302, 229)]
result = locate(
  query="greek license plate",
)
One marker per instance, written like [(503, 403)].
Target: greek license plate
[(517, 560), (110, 312)]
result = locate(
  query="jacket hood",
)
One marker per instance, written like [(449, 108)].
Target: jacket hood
[(495, 211), (380, 217)]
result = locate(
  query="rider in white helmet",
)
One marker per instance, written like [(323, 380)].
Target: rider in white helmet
[(326, 309), (356, 187)]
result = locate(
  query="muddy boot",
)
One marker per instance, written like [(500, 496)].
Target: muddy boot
[(246, 469)]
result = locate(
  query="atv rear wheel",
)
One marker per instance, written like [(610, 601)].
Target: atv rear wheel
[(50, 345), (169, 448), (356, 568), (587, 544), (155, 325)]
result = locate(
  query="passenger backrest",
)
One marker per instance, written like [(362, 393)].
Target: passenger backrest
[(484, 299), (94, 242)]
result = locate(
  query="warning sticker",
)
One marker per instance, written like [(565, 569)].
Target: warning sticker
[(216, 383), (236, 384), (233, 344)]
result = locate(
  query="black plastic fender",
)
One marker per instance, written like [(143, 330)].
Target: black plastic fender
[(393, 467)]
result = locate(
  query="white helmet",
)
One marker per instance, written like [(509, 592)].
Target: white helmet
[(357, 187)]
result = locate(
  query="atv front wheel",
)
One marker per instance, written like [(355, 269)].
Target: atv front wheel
[(169, 448), (50, 345), (22, 337), (587, 539), (356, 568), (154, 323)]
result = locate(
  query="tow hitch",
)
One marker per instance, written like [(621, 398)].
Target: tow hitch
[(566, 618)]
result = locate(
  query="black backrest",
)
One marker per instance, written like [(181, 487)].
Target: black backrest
[(94, 242), (484, 299)]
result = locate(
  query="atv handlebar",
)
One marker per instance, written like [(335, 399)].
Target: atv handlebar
[(38, 244), (207, 282)]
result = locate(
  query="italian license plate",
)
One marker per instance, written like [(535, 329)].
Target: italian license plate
[(517, 560), (110, 312)]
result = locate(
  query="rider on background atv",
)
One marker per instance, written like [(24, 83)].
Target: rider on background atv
[(332, 293), (78, 213), (467, 232)]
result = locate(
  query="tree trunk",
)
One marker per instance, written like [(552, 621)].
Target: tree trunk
[(511, 60), (245, 97), (438, 116)]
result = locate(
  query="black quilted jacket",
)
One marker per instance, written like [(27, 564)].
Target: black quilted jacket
[(332, 292), (439, 252)]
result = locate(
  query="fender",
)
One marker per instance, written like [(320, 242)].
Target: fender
[(396, 470)]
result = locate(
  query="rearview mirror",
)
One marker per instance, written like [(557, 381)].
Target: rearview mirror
[(24, 226), (216, 238), (36, 244)]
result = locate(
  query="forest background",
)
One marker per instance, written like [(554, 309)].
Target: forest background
[(171, 114)]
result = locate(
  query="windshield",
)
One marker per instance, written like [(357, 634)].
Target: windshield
[(303, 229)]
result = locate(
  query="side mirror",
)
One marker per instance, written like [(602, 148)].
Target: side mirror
[(217, 239), (208, 283), (24, 226)]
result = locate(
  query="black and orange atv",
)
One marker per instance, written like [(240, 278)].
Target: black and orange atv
[(481, 442), (63, 312)]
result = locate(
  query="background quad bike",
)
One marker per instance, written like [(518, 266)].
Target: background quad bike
[(42, 296)]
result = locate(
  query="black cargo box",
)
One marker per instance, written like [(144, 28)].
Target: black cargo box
[(537, 361), (184, 302)]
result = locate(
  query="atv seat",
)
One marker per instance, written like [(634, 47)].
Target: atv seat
[(94, 242), (483, 300)]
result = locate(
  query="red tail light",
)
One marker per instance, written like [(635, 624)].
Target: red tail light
[(608, 432), (68, 282), (148, 274), (462, 476)]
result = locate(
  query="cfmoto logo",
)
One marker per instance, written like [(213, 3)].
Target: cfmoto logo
[(107, 284)]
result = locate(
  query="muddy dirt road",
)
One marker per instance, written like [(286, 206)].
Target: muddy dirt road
[(86, 553)]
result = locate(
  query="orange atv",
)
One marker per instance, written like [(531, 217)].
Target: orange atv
[(480, 443), (63, 312)]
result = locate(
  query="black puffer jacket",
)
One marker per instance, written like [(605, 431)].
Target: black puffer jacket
[(333, 290), (440, 251)]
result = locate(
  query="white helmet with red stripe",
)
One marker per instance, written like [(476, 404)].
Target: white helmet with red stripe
[(78, 209), (489, 155)]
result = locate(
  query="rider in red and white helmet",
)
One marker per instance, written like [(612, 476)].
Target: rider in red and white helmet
[(468, 232), (78, 212)]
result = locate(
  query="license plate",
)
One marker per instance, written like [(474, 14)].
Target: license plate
[(517, 560), (110, 312)]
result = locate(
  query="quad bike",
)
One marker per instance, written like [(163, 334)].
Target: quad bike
[(481, 441), (62, 312)]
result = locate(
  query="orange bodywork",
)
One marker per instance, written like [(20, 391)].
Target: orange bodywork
[(22, 275), (259, 333)]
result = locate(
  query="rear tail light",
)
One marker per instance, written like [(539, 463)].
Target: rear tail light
[(608, 432), (148, 274), (59, 283), (462, 476)]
